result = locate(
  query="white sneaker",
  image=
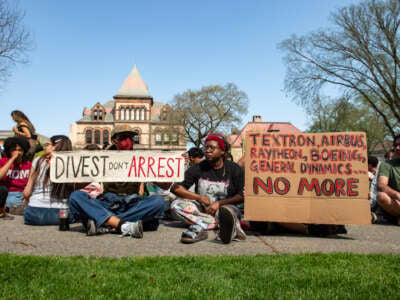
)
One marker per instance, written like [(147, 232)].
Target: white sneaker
[(91, 228), (132, 229)]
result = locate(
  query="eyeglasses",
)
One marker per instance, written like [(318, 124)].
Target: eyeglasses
[(211, 148)]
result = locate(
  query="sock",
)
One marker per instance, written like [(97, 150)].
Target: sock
[(121, 222)]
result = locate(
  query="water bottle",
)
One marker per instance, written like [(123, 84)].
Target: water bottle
[(64, 217)]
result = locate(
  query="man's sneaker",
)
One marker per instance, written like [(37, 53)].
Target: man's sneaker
[(91, 228), (227, 224), (132, 229)]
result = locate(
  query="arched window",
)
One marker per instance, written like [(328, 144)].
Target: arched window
[(142, 114), (136, 138), (166, 138), (165, 111), (97, 136), (98, 113), (158, 138), (105, 136), (88, 136), (174, 138), (131, 114), (163, 115), (122, 114)]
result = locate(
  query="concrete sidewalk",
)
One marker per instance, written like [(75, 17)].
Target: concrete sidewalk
[(47, 240)]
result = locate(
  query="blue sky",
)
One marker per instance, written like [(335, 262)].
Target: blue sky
[(85, 49)]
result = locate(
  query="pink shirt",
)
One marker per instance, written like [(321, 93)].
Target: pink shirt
[(17, 176)]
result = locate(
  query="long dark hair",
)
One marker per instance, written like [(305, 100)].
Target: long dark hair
[(59, 191), (24, 118), (11, 143)]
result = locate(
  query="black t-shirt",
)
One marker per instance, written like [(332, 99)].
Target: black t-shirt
[(217, 184), (121, 188)]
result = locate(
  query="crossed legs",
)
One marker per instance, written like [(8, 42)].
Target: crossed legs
[(391, 206)]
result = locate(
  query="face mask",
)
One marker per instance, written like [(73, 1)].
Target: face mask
[(125, 144)]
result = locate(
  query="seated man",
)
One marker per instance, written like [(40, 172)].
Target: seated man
[(389, 183), (218, 188), (120, 206)]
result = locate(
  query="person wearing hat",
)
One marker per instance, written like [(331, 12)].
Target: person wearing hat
[(119, 208), (14, 174), (219, 185)]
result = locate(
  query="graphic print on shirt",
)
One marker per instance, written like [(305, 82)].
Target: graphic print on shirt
[(215, 190), (18, 174)]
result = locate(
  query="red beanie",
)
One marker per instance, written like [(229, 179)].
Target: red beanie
[(219, 138)]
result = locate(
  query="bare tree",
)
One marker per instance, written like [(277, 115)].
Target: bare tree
[(360, 54), (212, 108), (15, 39)]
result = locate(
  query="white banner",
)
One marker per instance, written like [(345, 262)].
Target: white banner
[(117, 166)]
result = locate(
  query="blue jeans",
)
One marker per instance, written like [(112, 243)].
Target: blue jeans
[(43, 216), (14, 198), (148, 210)]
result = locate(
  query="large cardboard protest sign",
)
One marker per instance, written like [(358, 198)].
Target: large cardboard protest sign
[(307, 178), (117, 166)]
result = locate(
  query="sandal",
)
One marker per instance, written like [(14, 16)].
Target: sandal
[(194, 234)]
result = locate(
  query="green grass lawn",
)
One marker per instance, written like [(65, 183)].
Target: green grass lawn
[(280, 276)]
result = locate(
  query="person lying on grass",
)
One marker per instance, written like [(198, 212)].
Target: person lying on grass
[(218, 189), (120, 208)]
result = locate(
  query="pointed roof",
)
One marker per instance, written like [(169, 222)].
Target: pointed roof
[(133, 86)]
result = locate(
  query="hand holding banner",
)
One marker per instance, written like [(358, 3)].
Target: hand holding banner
[(117, 166)]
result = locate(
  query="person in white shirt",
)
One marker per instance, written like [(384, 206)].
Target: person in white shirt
[(43, 199)]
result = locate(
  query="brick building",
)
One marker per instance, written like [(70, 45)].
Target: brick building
[(132, 108)]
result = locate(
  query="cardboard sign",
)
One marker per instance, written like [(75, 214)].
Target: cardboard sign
[(307, 178), (117, 166)]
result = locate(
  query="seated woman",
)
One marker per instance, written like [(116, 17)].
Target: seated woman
[(44, 198), (25, 128), (14, 173)]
